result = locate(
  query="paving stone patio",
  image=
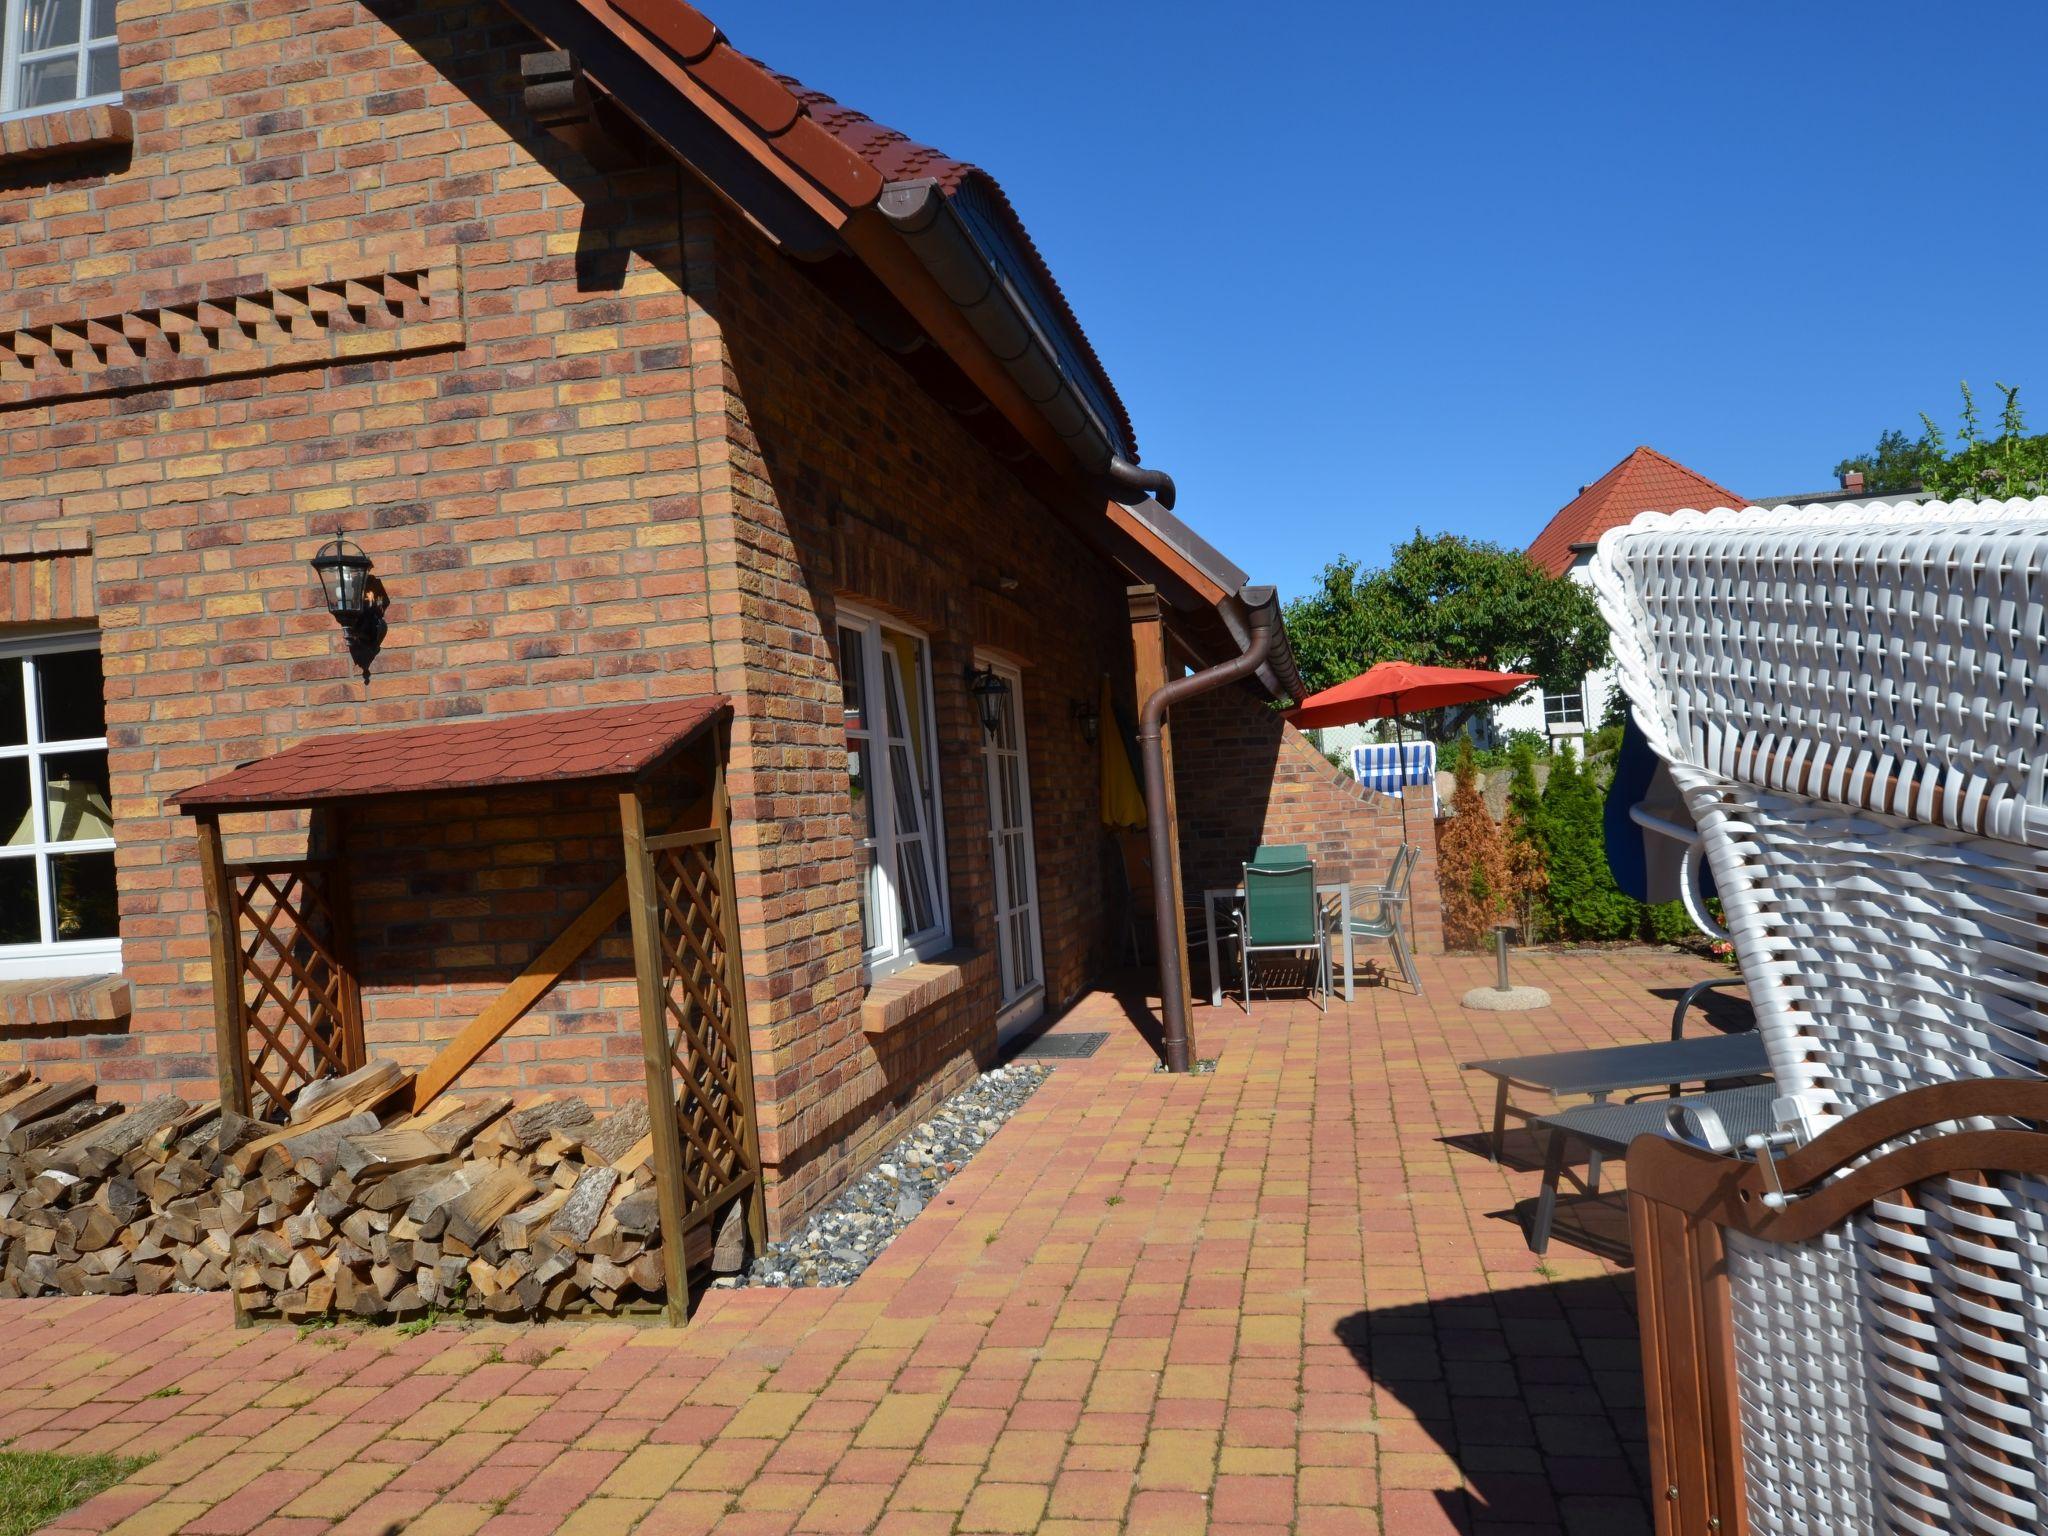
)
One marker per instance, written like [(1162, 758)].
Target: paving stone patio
[(1285, 1297)]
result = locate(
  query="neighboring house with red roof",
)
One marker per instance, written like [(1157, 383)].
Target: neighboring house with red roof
[(642, 375), (1645, 481)]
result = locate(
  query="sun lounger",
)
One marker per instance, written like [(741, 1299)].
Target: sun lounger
[(1620, 1068), (1606, 1129)]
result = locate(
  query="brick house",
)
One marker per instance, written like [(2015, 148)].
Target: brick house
[(640, 374)]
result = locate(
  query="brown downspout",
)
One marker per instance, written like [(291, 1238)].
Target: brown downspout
[(1173, 999)]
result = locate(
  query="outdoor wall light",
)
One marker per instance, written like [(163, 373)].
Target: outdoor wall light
[(1090, 721), (355, 597), (989, 692)]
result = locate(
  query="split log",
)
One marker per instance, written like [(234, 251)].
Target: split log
[(585, 1204)]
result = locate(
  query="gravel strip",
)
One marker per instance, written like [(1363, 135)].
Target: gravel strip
[(845, 1236)]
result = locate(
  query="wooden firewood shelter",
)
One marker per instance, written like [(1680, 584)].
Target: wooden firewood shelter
[(286, 980)]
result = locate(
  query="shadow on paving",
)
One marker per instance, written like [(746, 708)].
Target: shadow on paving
[(1535, 1393), (1727, 1011)]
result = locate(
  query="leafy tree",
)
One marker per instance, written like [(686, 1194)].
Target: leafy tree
[(1445, 600), (1897, 463), (2009, 464), (1582, 900)]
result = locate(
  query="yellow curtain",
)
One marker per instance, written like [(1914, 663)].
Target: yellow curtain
[(1123, 803)]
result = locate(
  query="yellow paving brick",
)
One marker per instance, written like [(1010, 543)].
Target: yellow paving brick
[(449, 1519), (770, 1413), (648, 1472), (160, 1519), (1178, 1458), (900, 1421), (604, 1517), (506, 1415), (1004, 1507), (342, 1489)]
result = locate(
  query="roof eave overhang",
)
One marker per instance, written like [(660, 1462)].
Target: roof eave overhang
[(813, 197)]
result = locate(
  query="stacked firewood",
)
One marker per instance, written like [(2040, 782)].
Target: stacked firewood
[(353, 1208)]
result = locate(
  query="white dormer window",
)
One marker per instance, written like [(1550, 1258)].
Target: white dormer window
[(58, 53)]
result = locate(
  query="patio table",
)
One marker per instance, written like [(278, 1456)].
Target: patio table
[(1616, 1068), (1341, 889), (1607, 1129)]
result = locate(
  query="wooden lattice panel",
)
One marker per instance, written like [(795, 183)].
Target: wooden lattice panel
[(713, 1108), (301, 1016)]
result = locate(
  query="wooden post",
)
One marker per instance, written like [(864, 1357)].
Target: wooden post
[(643, 906), (341, 909), (736, 985), (230, 1047), (1148, 645)]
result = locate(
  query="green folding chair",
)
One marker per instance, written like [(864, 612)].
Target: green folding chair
[(1386, 911), (1280, 914), (1280, 855)]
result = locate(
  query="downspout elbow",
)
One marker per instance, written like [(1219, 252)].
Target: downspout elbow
[(1130, 485)]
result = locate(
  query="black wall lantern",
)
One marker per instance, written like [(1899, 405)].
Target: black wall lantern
[(1090, 721), (989, 692), (355, 597)]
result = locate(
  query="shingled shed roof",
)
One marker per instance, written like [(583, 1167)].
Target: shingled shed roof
[(606, 742), (1645, 481)]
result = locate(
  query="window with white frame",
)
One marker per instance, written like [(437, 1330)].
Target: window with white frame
[(1562, 711), (58, 53), (892, 760), (58, 915)]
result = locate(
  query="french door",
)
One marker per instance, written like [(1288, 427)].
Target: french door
[(1019, 957)]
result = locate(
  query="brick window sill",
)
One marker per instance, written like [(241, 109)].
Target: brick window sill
[(901, 996), (45, 1002), (70, 131)]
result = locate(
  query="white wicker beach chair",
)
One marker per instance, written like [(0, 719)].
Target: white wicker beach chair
[(1854, 704)]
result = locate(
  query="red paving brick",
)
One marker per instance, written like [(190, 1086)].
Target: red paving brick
[(1285, 1297)]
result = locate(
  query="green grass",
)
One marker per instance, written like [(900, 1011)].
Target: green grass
[(38, 1486)]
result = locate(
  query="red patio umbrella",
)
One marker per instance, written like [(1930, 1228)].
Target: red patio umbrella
[(1401, 687), (1397, 687), (1394, 688)]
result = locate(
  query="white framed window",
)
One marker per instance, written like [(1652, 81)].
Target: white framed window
[(58, 53), (58, 913), (1564, 711), (892, 762)]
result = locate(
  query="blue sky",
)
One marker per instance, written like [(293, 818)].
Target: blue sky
[(1362, 268)]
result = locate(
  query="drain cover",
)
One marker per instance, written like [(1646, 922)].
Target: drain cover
[(1061, 1048)]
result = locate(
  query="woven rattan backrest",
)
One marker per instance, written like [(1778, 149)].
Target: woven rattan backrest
[(1852, 704)]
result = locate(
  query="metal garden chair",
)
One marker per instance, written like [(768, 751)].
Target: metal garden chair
[(1386, 909), (1279, 914)]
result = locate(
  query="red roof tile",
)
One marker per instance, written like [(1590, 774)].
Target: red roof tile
[(898, 157), (862, 156), (1645, 481), (608, 741)]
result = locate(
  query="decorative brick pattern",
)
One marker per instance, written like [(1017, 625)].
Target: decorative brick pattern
[(1243, 776), (77, 130), (246, 327)]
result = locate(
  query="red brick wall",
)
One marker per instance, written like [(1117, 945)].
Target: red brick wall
[(602, 445), (846, 482), (512, 439), (1244, 776)]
